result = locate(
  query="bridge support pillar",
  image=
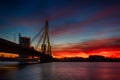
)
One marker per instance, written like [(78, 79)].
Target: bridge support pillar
[(23, 58), (44, 59)]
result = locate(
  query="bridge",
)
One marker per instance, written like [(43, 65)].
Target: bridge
[(24, 49)]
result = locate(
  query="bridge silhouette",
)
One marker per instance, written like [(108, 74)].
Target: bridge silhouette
[(14, 48)]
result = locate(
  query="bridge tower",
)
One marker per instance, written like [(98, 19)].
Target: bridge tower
[(46, 47), (24, 41)]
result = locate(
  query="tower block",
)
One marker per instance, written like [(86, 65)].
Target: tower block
[(46, 47)]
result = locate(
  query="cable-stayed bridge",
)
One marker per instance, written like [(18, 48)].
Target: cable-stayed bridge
[(23, 48)]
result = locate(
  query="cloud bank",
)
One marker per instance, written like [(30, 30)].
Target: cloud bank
[(107, 47)]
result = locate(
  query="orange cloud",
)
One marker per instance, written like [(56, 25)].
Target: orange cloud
[(106, 47)]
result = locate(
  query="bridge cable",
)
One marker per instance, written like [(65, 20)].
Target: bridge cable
[(34, 38)]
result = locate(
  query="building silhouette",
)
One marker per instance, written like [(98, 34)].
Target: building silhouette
[(24, 41)]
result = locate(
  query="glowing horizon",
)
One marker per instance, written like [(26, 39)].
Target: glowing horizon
[(108, 47)]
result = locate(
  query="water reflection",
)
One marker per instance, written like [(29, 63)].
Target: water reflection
[(61, 71), (103, 71), (7, 72)]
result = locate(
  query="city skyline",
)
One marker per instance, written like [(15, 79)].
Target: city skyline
[(77, 28)]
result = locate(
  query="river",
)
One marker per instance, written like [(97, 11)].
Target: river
[(61, 71)]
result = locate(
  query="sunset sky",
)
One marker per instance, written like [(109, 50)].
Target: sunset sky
[(77, 27)]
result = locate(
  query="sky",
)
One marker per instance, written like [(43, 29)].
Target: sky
[(77, 28)]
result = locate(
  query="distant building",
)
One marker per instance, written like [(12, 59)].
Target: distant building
[(24, 41), (96, 58)]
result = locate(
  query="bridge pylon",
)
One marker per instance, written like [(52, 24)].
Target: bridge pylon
[(46, 46)]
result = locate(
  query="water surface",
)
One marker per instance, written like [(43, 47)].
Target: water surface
[(61, 71)]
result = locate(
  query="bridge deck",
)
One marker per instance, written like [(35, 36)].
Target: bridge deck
[(11, 47)]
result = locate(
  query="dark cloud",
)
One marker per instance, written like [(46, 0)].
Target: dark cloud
[(100, 15)]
